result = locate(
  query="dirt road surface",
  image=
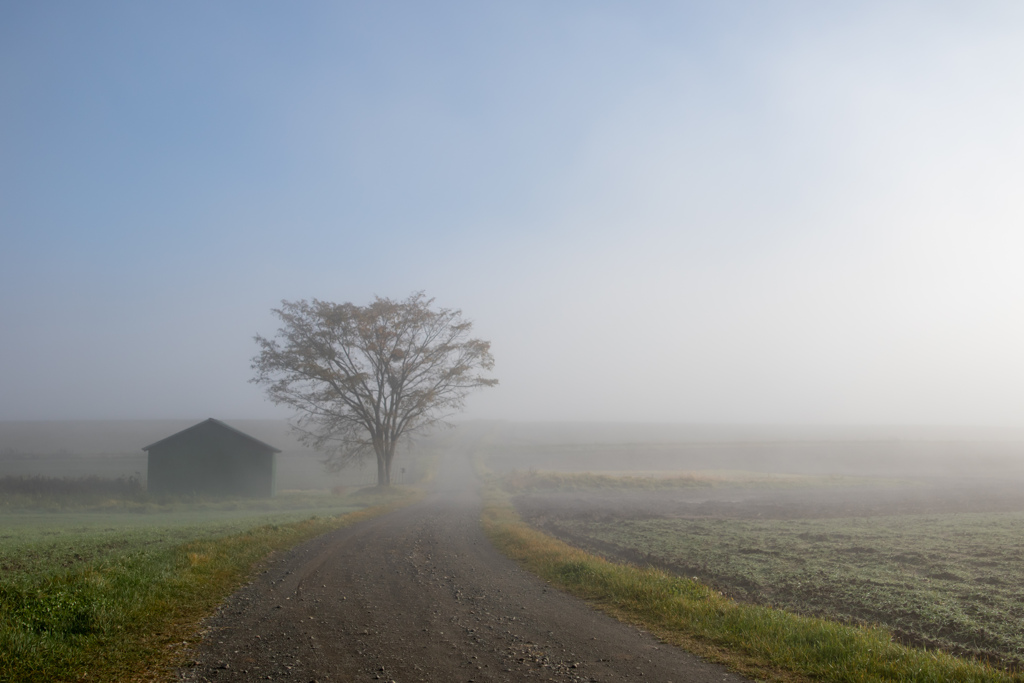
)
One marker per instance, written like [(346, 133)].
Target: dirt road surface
[(421, 595)]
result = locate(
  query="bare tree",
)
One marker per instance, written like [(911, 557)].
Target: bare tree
[(362, 377)]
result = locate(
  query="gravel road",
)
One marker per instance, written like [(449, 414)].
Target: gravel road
[(421, 595)]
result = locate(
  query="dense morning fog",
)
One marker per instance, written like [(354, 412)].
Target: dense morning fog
[(773, 213)]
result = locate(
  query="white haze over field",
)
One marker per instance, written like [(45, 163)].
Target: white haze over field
[(772, 213)]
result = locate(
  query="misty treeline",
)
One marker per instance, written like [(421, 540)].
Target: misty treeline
[(129, 487)]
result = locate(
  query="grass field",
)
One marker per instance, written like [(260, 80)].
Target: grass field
[(776, 576), (953, 581), (539, 481), (760, 641), (118, 596)]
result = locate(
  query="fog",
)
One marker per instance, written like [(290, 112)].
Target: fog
[(750, 271), (787, 215), (981, 459)]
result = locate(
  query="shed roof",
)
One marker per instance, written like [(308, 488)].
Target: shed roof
[(218, 425)]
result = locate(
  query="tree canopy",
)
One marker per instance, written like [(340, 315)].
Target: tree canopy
[(363, 377)]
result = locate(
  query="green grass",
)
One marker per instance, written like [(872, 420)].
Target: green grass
[(954, 581), (95, 500), (120, 596), (757, 640)]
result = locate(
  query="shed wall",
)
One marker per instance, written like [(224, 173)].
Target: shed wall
[(212, 462)]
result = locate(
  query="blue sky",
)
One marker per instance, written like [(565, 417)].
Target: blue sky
[(790, 212)]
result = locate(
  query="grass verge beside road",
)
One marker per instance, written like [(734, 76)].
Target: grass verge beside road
[(84, 603), (755, 640)]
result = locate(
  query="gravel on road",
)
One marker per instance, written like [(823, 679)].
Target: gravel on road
[(420, 594)]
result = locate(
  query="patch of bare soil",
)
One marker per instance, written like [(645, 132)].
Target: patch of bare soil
[(421, 595)]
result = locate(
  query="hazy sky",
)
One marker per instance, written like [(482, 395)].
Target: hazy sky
[(773, 212)]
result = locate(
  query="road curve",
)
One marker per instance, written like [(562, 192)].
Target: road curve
[(421, 595)]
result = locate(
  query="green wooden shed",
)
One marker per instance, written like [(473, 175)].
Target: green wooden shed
[(212, 458)]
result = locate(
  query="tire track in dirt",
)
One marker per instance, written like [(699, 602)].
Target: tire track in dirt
[(421, 595)]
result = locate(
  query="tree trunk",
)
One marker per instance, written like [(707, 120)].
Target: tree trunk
[(389, 455), (383, 462)]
